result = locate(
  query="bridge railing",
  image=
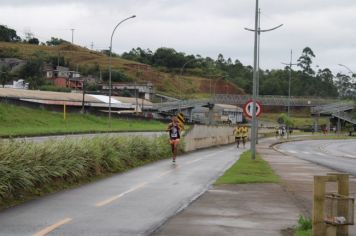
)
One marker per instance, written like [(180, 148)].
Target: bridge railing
[(273, 100), (180, 104)]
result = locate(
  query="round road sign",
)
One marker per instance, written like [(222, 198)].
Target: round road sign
[(248, 108)]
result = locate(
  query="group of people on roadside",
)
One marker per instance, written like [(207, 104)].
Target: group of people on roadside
[(175, 128), (241, 134)]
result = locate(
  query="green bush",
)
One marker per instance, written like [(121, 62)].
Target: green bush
[(54, 88), (28, 168), (304, 227)]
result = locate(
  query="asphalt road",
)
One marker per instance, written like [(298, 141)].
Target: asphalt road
[(339, 155), (133, 203)]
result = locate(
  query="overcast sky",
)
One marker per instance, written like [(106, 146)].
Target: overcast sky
[(205, 27)]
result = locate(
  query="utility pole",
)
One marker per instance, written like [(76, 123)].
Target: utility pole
[(258, 65), (290, 64), (83, 100), (72, 35), (92, 45), (257, 32)]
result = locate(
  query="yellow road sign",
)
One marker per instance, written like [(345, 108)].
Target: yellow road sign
[(181, 120), (180, 117)]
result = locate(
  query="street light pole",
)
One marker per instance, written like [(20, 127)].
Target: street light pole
[(180, 81), (352, 73), (110, 59), (290, 64), (257, 32)]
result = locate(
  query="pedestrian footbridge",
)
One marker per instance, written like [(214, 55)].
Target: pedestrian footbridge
[(341, 110)]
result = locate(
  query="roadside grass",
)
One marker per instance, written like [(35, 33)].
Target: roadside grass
[(246, 171), (29, 170), (304, 227), (22, 121)]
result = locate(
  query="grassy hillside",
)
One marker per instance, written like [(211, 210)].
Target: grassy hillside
[(169, 84), (16, 121)]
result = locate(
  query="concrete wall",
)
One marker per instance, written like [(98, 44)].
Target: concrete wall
[(204, 136)]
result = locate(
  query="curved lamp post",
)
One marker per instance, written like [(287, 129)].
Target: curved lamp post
[(350, 71), (112, 35), (180, 84), (290, 64)]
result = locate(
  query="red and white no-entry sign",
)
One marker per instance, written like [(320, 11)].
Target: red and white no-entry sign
[(248, 108)]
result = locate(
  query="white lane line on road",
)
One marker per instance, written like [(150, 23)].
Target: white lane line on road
[(49, 229), (306, 153), (320, 154), (191, 162), (110, 200), (215, 153), (164, 173), (291, 151)]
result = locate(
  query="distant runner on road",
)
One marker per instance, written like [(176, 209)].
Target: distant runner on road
[(174, 136), (244, 134), (237, 132)]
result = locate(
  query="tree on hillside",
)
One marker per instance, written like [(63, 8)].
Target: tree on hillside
[(274, 82), (5, 75), (55, 41), (32, 73), (116, 76), (327, 87), (168, 57), (140, 55), (33, 41), (345, 86), (305, 61), (8, 35)]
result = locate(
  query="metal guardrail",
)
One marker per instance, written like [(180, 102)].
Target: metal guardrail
[(184, 104), (273, 100), (242, 99)]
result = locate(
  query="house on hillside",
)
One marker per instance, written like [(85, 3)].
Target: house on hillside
[(63, 77), (142, 90)]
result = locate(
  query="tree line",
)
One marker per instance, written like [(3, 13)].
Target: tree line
[(305, 80), (10, 35)]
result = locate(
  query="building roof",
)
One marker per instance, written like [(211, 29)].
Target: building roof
[(60, 97)]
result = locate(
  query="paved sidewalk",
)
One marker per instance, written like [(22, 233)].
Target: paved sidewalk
[(254, 209)]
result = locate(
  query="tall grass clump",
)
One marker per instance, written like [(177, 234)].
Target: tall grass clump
[(304, 227), (28, 169)]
